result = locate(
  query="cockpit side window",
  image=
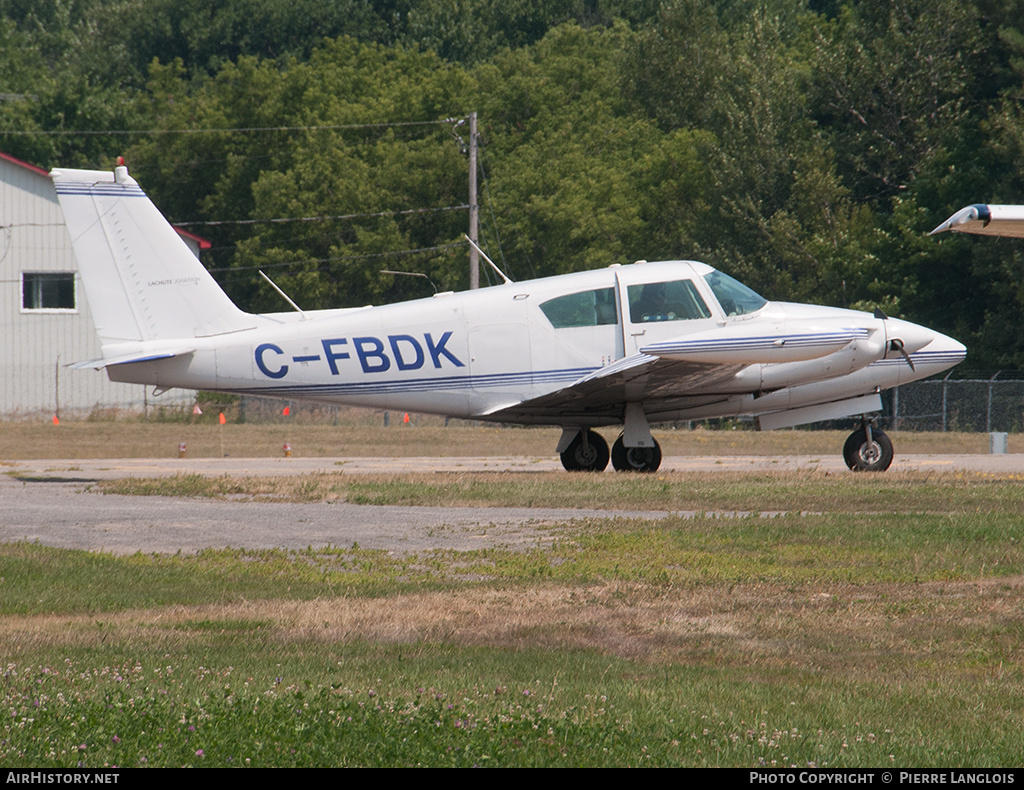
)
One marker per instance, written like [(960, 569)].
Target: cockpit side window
[(587, 308), (734, 296), (677, 300)]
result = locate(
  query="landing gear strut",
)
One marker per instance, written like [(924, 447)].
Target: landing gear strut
[(635, 459), (868, 449), (588, 452)]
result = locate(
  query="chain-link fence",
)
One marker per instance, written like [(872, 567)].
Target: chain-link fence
[(974, 404)]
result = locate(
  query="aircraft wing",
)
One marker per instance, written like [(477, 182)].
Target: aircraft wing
[(986, 220), (662, 384), (682, 372)]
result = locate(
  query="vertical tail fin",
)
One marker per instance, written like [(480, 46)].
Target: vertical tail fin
[(142, 281)]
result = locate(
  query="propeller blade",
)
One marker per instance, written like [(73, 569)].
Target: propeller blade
[(897, 345)]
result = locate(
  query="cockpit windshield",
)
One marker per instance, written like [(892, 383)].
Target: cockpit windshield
[(734, 296)]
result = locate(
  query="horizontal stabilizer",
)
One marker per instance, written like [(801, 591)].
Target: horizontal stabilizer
[(127, 359), (750, 344), (986, 220)]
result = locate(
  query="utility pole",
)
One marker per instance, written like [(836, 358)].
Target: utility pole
[(474, 209)]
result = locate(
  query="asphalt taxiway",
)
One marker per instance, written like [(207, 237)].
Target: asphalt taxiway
[(52, 502)]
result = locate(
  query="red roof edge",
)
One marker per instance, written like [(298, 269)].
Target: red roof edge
[(15, 161), (204, 244)]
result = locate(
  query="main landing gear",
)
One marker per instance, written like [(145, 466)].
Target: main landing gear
[(588, 452), (868, 449), (635, 459)]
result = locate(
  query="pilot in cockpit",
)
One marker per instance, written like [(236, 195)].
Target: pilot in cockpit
[(652, 305)]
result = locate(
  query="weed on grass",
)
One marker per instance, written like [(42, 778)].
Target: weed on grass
[(434, 705)]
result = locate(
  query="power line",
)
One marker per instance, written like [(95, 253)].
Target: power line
[(351, 258), (325, 217), (327, 127)]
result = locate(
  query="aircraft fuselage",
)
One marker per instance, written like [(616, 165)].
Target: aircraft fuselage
[(469, 354)]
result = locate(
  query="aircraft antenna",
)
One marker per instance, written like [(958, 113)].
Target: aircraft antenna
[(493, 264), (286, 297), (411, 274)]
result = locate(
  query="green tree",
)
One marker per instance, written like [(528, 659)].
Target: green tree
[(895, 85), (307, 142), (579, 180)]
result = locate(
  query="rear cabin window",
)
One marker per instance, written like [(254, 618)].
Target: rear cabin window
[(677, 300), (587, 308)]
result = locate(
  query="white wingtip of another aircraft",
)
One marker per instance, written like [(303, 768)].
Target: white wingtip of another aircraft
[(976, 213), (986, 219)]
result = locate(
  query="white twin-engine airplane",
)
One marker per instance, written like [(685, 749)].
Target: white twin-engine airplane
[(627, 345)]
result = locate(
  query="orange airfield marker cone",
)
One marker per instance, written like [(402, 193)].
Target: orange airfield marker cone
[(60, 437)]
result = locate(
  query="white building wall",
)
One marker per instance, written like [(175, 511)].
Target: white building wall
[(37, 346)]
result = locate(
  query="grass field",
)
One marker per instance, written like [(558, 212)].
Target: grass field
[(877, 621)]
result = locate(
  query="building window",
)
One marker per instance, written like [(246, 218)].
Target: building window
[(48, 291)]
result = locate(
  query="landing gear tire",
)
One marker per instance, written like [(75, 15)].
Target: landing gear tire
[(635, 459), (586, 456), (864, 456)]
